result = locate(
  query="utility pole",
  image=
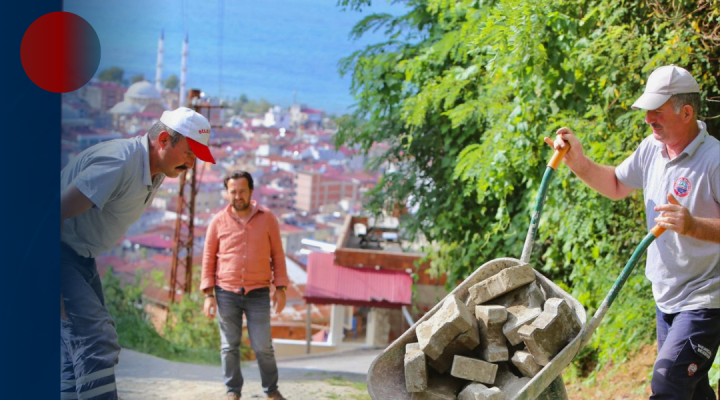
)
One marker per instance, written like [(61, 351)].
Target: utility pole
[(185, 227)]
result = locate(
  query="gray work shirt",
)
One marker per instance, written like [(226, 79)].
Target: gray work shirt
[(115, 176), (685, 272)]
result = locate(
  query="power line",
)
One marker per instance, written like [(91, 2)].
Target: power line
[(221, 13)]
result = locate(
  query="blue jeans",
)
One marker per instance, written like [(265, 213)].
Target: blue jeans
[(256, 307), (687, 344), (88, 342)]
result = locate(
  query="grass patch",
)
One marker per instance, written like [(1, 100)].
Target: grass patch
[(340, 381), (361, 387)]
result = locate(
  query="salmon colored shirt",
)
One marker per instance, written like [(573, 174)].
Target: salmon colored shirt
[(243, 254)]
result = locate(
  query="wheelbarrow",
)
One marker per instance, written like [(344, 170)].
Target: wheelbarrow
[(386, 377)]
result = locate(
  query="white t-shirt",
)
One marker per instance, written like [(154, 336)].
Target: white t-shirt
[(685, 272)]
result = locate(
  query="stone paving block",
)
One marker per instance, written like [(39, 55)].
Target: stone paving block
[(554, 328), (452, 319), (529, 296), (493, 345), (509, 383), (525, 362), (461, 345), (424, 335), (501, 283), (473, 369), (416, 373), (518, 316), (478, 391), (440, 388)]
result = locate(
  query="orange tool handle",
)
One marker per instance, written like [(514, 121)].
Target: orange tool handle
[(558, 155), (657, 231)]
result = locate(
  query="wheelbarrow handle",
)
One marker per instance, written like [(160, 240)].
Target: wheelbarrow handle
[(587, 332), (558, 155), (535, 220), (657, 231)]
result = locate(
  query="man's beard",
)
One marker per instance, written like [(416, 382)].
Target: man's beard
[(242, 207)]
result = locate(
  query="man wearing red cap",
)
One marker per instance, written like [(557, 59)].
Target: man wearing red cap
[(105, 189), (678, 169)]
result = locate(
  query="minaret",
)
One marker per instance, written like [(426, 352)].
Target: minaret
[(183, 72), (158, 67)]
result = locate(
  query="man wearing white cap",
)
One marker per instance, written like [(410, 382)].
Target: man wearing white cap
[(104, 190), (678, 168)]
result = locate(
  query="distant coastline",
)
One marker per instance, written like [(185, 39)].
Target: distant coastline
[(273, 50)]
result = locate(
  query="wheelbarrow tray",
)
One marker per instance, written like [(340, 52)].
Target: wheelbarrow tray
[(386, 376)]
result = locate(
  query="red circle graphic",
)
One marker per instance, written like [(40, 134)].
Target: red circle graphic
[(60, 52)]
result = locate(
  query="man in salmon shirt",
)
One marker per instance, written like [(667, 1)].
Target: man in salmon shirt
[(243, 257)]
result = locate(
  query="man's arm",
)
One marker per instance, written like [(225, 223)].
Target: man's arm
[(677, 218), (280, 277), (209, 266), (72, 203), (600, 178)]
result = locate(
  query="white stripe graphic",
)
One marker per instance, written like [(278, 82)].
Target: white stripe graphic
[(97, 391), (95, 376)]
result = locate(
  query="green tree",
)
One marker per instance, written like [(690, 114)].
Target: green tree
[(137, 78), (238, 105), (256, 107), (112, 74), (463, 92), (172, 82)]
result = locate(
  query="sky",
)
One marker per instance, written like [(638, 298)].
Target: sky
[(272, 49)]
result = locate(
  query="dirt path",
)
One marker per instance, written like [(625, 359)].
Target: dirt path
[(144, 377)]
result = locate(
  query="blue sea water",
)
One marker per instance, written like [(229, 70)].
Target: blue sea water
[(271, 49)]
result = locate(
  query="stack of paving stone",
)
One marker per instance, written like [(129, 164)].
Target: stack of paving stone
[(492, 345)]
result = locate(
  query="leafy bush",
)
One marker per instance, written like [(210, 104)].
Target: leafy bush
[(188, 336), (461, 94)]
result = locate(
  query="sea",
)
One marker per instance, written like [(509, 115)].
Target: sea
[(283, 51)]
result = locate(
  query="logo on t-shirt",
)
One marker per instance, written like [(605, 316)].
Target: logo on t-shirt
[(682, 187)]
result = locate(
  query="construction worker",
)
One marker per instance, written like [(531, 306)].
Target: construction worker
[(104, 190), (678, 168), (243, 256)]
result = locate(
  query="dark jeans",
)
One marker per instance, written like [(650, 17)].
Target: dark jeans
[(256, 307), (687, 344), (88, 342)]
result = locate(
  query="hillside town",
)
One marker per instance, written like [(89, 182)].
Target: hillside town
[(315, 190)]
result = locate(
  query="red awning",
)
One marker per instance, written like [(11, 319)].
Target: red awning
[(328, 283)]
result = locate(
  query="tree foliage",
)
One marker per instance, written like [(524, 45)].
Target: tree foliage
[(461, 94), (137, 78), (172, 82), (244, 106), (112, 74)]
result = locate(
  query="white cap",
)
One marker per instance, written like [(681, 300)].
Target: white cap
[(662, 84), (194, 127)]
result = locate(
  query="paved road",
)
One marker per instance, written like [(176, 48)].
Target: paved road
[(335, 376)]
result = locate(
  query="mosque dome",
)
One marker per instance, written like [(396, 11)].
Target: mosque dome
[(142, 90), (124, 108)]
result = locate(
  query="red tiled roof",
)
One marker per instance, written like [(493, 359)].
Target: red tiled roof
[(308, 110), (290, 228), (154, 241), (267, 191), (328, 283)]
